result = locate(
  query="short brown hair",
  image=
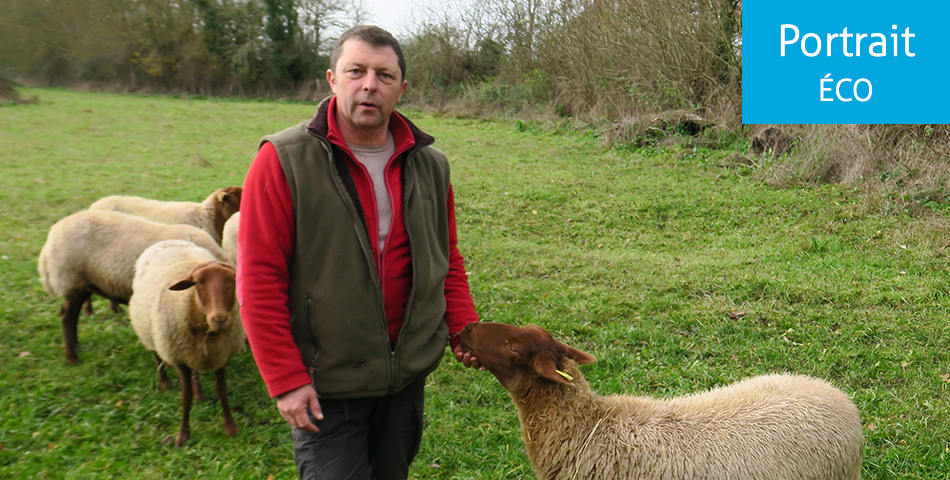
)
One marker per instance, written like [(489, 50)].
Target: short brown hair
[(372, 35)]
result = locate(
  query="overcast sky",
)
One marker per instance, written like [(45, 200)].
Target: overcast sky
[(400, 16), (393, 15)]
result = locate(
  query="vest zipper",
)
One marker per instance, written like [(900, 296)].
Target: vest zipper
[(385, 247), (393, 370)]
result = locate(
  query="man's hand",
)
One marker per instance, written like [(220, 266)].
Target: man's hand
[(466, 358), (293, 407)]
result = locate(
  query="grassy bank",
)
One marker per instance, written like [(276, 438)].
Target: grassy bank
[(674, 268)]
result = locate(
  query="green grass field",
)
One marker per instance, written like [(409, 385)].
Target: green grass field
[(674, 267)]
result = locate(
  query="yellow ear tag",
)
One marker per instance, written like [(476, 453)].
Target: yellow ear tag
[(565, 375)]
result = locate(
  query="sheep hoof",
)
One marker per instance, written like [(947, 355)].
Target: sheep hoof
[(182, 438), (230, 430)]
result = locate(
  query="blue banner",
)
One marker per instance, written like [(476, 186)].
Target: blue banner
[(879, 62)]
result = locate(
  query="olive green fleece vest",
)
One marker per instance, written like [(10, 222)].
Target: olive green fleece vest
[(336, 302)]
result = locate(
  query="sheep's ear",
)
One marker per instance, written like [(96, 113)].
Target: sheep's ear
[(546, 366), (231, 195), (183, 284), (537, 329), (581, 357)]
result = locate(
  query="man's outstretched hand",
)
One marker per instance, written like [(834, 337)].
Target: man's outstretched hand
[(466, 358)]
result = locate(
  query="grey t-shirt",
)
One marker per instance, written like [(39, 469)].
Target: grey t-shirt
[(375, 160)]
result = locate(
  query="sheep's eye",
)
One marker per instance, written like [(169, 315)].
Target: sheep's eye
[(512, 349)]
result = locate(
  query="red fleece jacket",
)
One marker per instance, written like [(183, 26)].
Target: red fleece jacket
[(265, 247)]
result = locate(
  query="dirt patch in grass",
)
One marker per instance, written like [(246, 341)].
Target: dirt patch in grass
[(656, 128), (10, 96)]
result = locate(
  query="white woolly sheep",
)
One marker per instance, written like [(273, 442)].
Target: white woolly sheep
[(208, 215), (184, 310), (774, 427), (229, 238), (94, 251)]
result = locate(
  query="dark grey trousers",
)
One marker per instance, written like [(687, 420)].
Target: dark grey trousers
[(363, 438)]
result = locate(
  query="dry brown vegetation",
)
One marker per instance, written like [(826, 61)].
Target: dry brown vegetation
[(628, 58), (597, 61), (901, 168)]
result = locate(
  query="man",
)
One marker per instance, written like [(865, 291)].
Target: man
[(349, 278)]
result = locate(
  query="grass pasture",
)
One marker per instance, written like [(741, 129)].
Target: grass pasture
[(672, 266)]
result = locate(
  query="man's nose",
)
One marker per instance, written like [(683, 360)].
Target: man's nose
[(370, 82)]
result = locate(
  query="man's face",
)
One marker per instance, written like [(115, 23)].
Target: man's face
[(367, 83)]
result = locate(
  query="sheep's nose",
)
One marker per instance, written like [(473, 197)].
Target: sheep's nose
[(216, 323)]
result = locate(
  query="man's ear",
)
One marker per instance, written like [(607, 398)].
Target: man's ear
[(402, 90), (331, 80)]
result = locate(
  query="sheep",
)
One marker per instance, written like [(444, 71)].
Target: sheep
[(208, 215), (183, 308), (773, 427), (229, 238), (94, 251)]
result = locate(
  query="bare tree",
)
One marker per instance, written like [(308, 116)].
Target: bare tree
[(319, 18), (359, 14)]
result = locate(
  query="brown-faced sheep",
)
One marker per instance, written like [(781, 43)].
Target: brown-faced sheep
[(94, 251), (774, 427), (209, 215), (184, 310)]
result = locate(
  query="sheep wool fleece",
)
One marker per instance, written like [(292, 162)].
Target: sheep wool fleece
[(337, 311)]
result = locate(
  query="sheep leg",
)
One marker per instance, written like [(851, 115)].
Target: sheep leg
[(196, 386), (114, 303), (221, 388), (87, 306), (69, 315), (184, 430), (164, 383)]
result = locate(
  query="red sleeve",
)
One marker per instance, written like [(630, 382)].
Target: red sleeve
[(265, 245), (459, 307)]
